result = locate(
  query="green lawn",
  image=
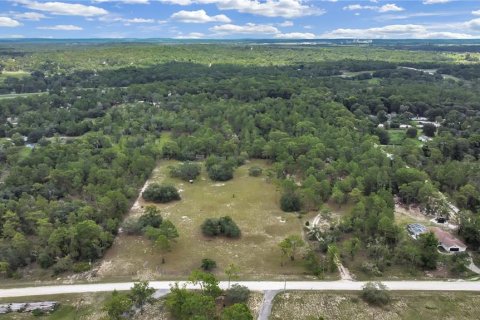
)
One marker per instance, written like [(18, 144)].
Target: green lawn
[(396, 136)]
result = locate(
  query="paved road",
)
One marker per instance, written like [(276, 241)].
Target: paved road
[(267, 304), (252, 285)]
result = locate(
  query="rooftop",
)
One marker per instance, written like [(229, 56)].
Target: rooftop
[(446, 238)]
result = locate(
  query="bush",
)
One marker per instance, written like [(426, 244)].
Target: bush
[(38, 312), (255, 171), (63, 264), (371, 269), (208, 264), (131, 226), (210, 228), (237, 294), (160, 193), (224, 226), (375, 293), (219, 169), (151, 217), (411, 132), (80, 267), (238, 311), (290, 202), (220, 172), (186, 171)]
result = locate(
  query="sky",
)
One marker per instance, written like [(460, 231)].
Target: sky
[(240, 19)]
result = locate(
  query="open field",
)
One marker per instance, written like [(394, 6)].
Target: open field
[(348, 305), (19, 95), (251, 202)]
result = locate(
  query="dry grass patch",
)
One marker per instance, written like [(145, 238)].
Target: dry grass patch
[(348, 305), (252, 202)]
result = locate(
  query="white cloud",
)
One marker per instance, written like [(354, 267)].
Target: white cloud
[(286, 24), (192, 35), (473, 24), (249, 28), (34, 16), (295, 35), (267, 8), (63, 8), (476, 13), (385, 8), (435, 1), (138, 20), (9, 22), (199, 16), (124, 1), (63, 27), (390, 7), (398, 31)]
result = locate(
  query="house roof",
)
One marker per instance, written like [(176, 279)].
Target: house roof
[(417, 228), (447, 239)]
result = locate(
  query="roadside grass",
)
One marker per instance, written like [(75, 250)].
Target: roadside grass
[(88, 306), (85, 306), (252, 202), (407, 305)]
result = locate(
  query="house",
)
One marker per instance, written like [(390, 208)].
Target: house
[(416, 229), (447, 241), (424, 138)]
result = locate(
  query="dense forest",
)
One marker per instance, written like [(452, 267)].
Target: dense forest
[(74, 156)]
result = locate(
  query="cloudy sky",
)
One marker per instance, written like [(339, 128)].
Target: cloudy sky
[(281, 19)]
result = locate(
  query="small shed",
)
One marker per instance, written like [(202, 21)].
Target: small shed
[(447, 241)]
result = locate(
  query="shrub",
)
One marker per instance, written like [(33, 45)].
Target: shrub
[(411, 132), (210, 228), (38, 312), (224, 226), (255, 171), (237, 294), (186, 171), (220, 172), (81, 267), (290, 202), (238, 311), (219, 169), (151, 217), (131, 226), (160, 193), (63, 264), (208, 264), (375, 293)]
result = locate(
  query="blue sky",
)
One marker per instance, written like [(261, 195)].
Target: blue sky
[(229, 19)]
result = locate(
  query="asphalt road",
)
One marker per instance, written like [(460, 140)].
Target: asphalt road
[(341, 285)]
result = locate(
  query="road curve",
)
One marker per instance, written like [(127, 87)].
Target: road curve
[(341, 285)]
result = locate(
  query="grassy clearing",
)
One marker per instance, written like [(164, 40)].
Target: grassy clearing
[(251, 202), (396, 136), (86, 306), (348, 305), (13, 74), (19, 95)]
